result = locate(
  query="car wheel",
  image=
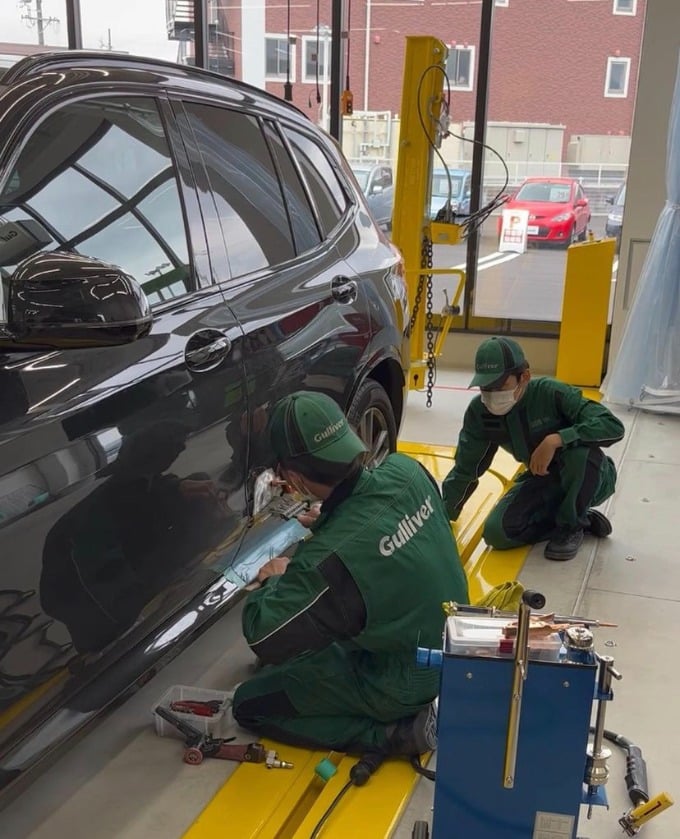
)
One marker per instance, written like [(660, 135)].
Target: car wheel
[(371, 414), (584, 235), (571, 238), (421, 830)]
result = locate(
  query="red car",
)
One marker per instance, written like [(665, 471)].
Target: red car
[(559, 211)]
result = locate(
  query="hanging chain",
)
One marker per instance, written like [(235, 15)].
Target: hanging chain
[(429, 328), (425, 285)]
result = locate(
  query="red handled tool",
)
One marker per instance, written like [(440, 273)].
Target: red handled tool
[(198, 708), (198, 746)]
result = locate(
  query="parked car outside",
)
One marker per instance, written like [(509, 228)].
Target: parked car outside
[(615, 215), (559, 211), (459, 182), (373, 178), (178, 250), (382, 206)]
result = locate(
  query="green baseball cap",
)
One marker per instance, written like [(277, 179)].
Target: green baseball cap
[(494, 359), (312, 425)]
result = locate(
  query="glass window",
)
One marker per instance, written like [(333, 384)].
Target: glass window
[(305, 230), (326, 190), (317, 57), (625, 7), (618, 71), (245, 186), (97, 178), (460, 65), (277, 48)]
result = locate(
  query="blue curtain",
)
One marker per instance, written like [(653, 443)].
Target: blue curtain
[(646, 372)]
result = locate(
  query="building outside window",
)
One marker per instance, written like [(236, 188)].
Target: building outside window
[(276, 58), (625, 7), (460, 67), (618, 73), (313, 59)]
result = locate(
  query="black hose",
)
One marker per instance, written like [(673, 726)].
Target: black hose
[(636, 775), (358, 775)]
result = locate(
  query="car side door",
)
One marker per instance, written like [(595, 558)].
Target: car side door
[(115, 508), (303, 311)]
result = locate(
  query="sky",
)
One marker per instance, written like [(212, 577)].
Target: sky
[(136, 26)]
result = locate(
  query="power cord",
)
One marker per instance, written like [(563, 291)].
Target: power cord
[(358, 776)]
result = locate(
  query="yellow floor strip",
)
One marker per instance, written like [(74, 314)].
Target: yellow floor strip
[(287, 804)]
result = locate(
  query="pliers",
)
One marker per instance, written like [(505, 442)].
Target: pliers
[(200, 709)]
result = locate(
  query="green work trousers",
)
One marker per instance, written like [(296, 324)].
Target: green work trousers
[(537, 507), (334, 699)]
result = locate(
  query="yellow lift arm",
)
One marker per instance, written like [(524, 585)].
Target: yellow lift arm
[(424, 120)]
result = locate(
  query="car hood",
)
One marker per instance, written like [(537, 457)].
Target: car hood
[(546, 209)]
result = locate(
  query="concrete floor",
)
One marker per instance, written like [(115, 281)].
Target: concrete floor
[(123, 782)]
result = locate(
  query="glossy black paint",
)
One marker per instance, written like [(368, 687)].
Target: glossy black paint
[(62, 300), (127, 470)]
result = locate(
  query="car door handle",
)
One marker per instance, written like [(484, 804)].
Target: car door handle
[(344, 290), (206, 350)]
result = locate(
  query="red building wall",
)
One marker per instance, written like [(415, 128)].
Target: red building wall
[(549, 57)]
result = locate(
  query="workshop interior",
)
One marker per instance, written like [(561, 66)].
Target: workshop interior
[(207, 208)]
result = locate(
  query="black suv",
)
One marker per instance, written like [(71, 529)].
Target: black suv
[(177, 251)]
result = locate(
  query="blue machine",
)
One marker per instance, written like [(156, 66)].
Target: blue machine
[(513, 760)]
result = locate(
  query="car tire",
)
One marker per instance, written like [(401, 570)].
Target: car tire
[(571, 238), (370, 413), (584, 235), (421, 830)]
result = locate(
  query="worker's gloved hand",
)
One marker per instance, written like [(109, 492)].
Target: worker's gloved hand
[(274, 568), (308, 518), (543, 454)]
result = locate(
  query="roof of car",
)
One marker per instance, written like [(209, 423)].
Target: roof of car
[(47, 62), (550, 179)]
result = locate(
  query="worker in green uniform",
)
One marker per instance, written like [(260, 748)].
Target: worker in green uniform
[(556, 433), (339, 622)]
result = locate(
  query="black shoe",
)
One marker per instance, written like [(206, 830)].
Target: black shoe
[(598, 524), (414, 735), (564, 545)]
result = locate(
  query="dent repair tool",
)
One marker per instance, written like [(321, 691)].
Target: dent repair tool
[(198, 746)]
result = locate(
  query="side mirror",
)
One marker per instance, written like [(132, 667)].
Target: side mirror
[(581, 202), (60, 300), (609, 200)]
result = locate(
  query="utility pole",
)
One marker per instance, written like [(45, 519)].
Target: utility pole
[(38, 19)]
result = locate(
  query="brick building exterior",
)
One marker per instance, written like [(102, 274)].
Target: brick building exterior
[(552, 59)]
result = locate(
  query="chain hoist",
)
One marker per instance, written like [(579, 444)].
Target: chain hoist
[(425, 285)]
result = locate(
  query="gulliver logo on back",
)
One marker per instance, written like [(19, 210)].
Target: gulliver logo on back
[(407, 529)]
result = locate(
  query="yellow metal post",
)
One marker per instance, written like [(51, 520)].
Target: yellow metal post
[(585, 309), (421, 109)]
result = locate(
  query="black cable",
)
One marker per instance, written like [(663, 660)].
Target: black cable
[(349, 18), (358, 776), (318, 26), (421, 770), (636, 775), (288, 87), (322, 821)]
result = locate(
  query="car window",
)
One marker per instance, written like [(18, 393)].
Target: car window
[(245, 185), (324, 185), (305, 231), (440, 185), (97, 178), (554, 193), (621, 197)]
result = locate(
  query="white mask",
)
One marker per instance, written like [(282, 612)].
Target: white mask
[(499, 402)]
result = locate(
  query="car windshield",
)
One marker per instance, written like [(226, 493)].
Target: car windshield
[(551, 193), (440, 185), (620, 199), (362, 177)]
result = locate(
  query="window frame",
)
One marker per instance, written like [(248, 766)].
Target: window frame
[(472, 50), (617, 10), (281, 77), (311, 39), (611, 60), (45, 110)]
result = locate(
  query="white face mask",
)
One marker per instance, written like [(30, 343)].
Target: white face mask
[(499, 402)]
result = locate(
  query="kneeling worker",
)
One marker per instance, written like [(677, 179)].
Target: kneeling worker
[(340, 621), (554, 431)]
